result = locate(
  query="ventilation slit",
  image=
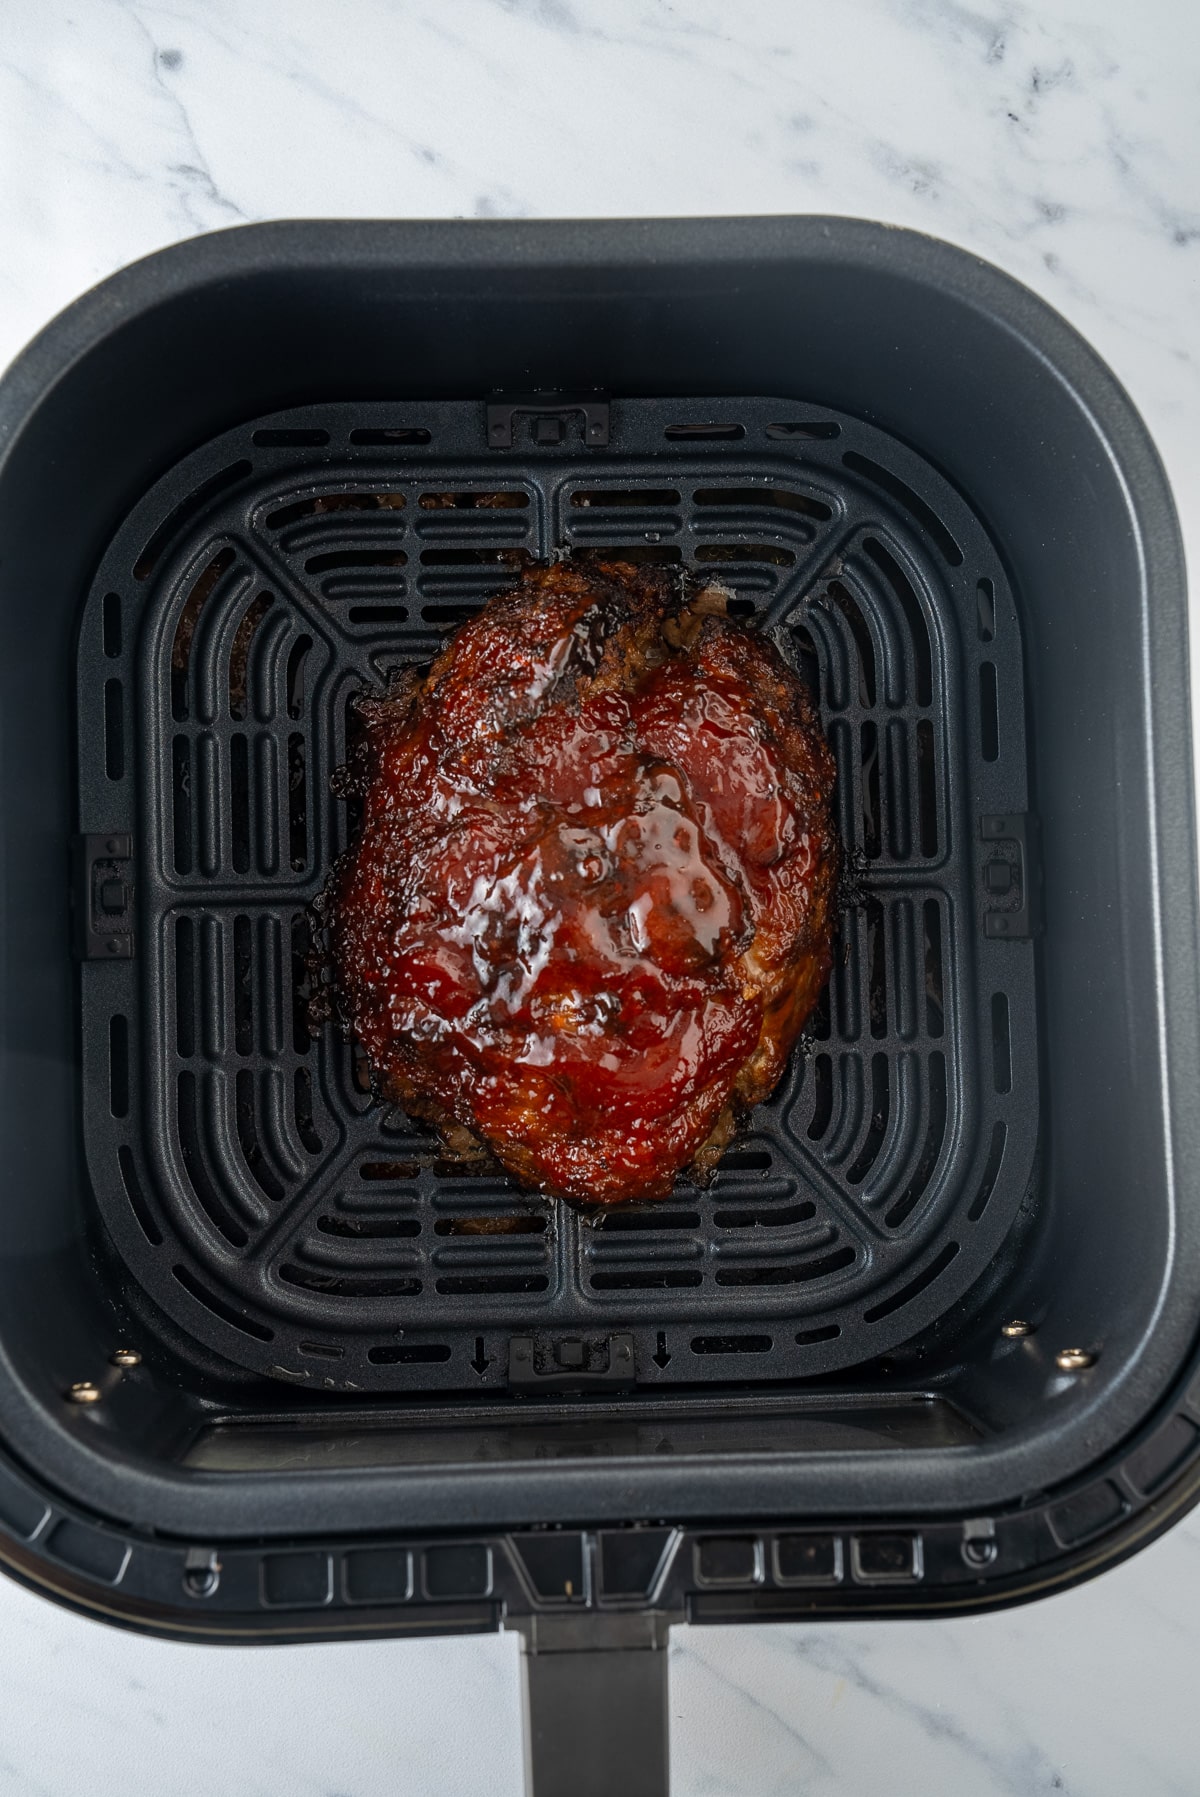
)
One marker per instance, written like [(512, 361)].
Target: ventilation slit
[(845, 981), (114, 730), (777, 1216), (450, 614), (721, 432), (650, 554), (354, 736), (989, 716), (239, 655), (377, 614), (745, 1160), (518, 1224), (808, 663), (247, 1129), (373, 1229), (985, 611), (640, 1279), (914, 617), (814, 428), (112, 625), (320, 503), (301, 982), (483, 1284), (356, 558), (876, 968), (746, 552), (295, 438), (863, 644), (208, 805), (266, 782), (137, 1198), (295, 676), (239, 802), (185, 630), (627, 496), (870, 791), (185, 987), (219, 1308), (305, 1127), (243, 989), (877, 1126), (1001, 1047), (912, 502), (906, 974), (297, 803), (269, 1000), (783, 498), (899, 797), (991, 1172), (641, 1220), (934, 1003), (200, 496), (926, 789), (375, 439), (822, 1096), (193, 1160), (914, 1288), (483, 558), (935, 1135), (118, 1066), (351, 1285), (181, 804), (797, 1273), (360, 1070), (512, 499)]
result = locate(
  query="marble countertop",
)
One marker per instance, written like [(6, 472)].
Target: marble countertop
[(1061, 142)]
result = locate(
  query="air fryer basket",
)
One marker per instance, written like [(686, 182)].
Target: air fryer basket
[(929, 1340), (252, 1188)]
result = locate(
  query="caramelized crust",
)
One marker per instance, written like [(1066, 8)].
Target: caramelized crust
[(591, 904)]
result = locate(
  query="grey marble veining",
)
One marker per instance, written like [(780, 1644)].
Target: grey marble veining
[(92, 1711), (1086, 1694), (1060, 141)]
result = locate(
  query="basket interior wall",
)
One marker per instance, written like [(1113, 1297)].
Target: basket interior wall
[(921, 359)]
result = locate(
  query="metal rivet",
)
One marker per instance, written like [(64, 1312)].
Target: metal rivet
[(979, 1553), (1072, 1359), (125, 1357), (83, 1392), (1016, 1329), (201, 1572)]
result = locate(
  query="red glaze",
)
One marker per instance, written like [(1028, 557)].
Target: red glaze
[(590, 907)]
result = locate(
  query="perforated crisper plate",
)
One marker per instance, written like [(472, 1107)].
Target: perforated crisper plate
[(244, 1174)]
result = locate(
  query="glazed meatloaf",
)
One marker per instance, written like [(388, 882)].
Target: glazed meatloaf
[(591, 903)]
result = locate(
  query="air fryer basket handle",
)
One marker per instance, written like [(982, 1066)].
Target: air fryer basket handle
[(597, 1716)]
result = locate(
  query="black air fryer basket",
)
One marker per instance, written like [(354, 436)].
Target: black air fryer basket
[(270, 1368)]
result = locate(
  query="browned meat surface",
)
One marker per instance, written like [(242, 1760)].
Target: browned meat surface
[(591, 904)]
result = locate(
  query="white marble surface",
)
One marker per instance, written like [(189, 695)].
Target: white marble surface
[(1061, 141)]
